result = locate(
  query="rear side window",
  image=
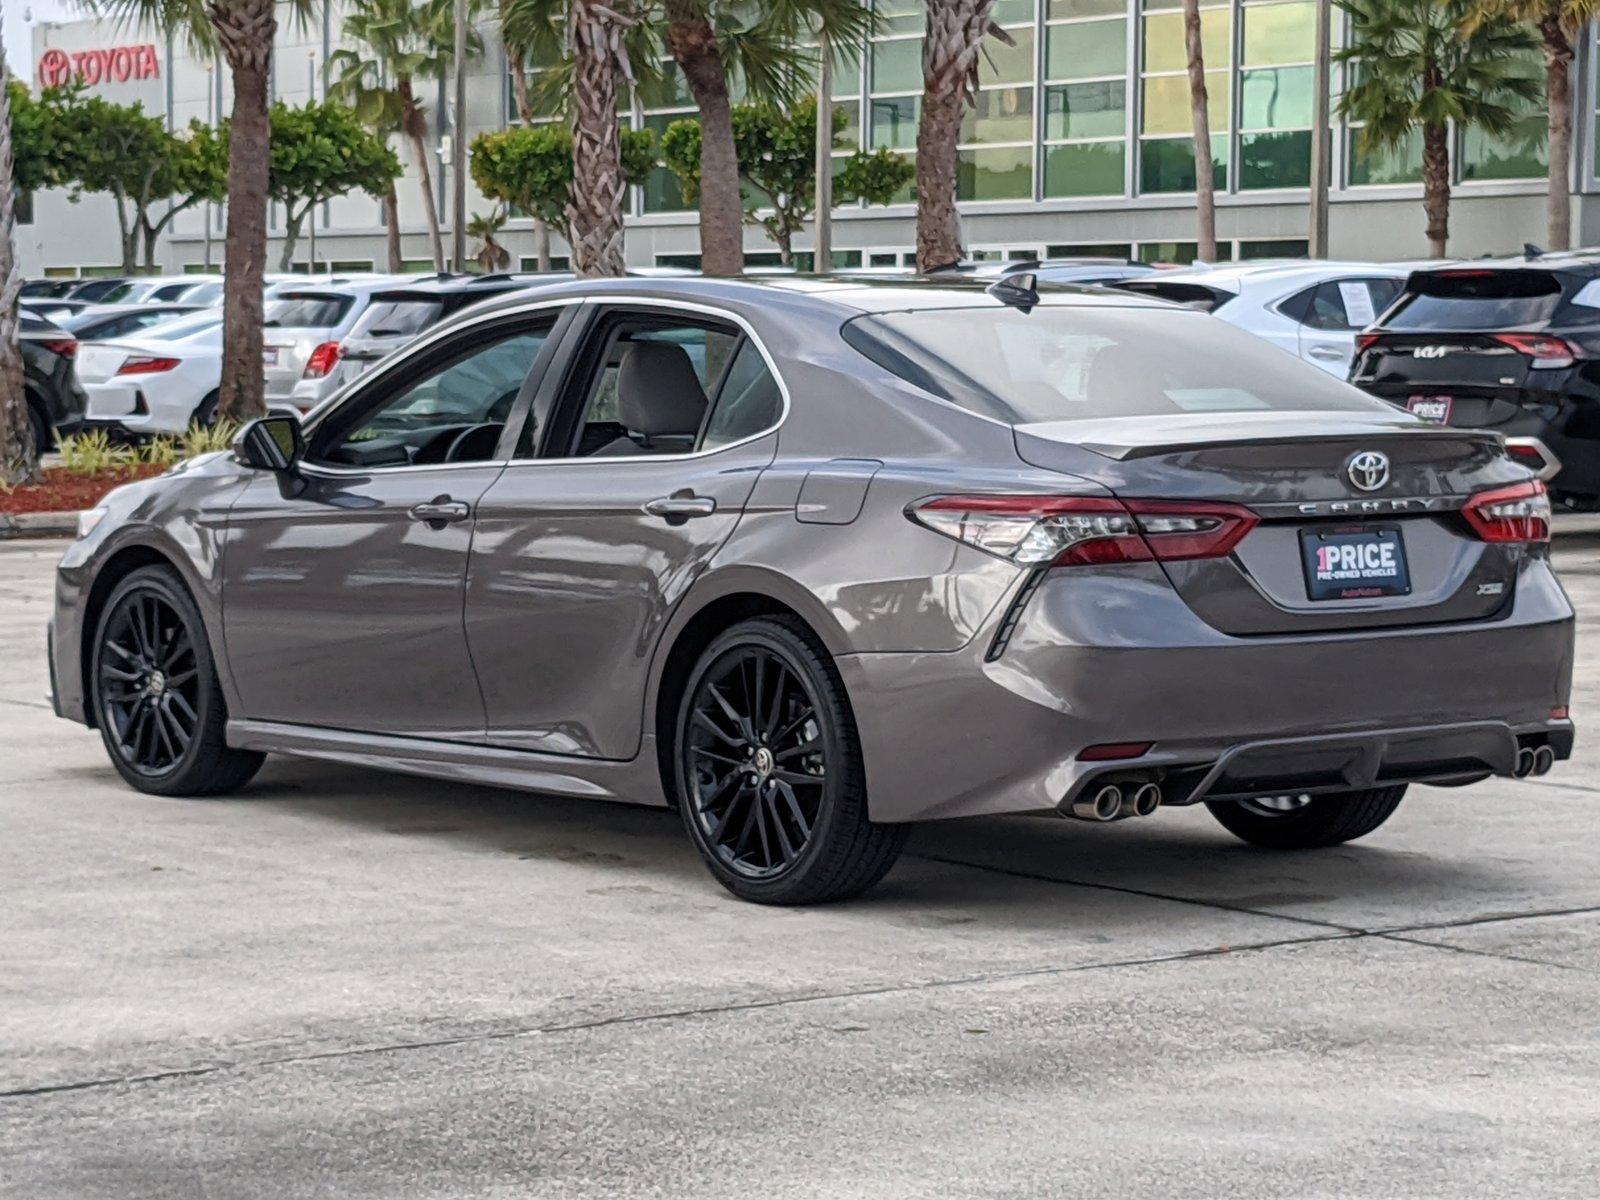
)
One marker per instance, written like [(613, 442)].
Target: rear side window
[(1078, 363), (397, 318), (1341, 304), (306, 312), (748, 401), (1476, 299)]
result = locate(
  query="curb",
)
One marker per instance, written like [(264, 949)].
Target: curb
[(38, 525)]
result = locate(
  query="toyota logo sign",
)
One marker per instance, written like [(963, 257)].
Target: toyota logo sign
[(1368, 470), (55, 68)]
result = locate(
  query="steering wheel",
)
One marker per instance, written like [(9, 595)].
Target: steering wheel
[(475, 443)]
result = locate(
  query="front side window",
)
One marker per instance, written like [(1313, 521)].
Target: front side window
[(453, 413)]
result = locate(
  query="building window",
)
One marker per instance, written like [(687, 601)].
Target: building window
[(1272, 248), (1085, 98), (1521, 153), (24, 208), (1089, 250), (558, 262), (1166, 147), (1276, 94)]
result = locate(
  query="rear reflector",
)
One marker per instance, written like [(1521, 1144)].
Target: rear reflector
[(66, 347), (1559, 712), (1064, 531), (1519, 513), (1112, 750), (323, 359), (1544, 353), (145, 364)]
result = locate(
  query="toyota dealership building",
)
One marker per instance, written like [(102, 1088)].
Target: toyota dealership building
[(1078, 144)]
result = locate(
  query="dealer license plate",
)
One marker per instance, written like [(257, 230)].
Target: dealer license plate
[(1352, 563), (1431, 408)]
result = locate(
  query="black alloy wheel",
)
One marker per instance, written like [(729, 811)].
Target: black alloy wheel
[(149, 681), (769, 773), (155, 692), (760, 761)]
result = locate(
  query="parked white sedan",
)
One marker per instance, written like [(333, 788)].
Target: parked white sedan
[(160, 381), (1311, 309)]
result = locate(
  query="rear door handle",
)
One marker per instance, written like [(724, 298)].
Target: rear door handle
[(1330, 353), (440, 511), (679, 508)]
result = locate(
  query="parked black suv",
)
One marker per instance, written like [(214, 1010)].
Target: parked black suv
[(55, 401), (1508, 345)]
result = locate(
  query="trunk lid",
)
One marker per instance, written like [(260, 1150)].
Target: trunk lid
[(1294, 471)]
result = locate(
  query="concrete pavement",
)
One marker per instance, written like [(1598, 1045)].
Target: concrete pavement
[(354, 984)]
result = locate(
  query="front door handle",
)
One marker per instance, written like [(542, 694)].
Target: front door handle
[(440, 511), (680, 506)]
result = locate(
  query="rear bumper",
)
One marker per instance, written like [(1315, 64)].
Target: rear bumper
[(1116, 656)]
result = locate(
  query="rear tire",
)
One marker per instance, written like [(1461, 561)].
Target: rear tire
[(769, 773), (156, 697), (1319, 821), (205, 413), (39, 428)]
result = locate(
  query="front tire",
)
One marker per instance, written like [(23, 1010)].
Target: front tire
[(769, 773), (1307, 822), (156, 696)]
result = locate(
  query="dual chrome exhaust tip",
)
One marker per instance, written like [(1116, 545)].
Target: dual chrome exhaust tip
[(1534, 760), (1113, 802)]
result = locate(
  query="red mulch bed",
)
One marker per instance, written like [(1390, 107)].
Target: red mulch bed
[(65, 492)]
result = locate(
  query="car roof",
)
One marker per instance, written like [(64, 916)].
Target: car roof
[(1239, 277), (845, 297)]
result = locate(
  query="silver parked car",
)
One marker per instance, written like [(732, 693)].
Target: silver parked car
[(301, 335), (814, 560)]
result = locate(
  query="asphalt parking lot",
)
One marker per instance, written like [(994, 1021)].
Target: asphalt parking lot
[(344, 983)]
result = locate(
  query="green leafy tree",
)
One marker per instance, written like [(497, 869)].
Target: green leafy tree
[(777, 151), (1425, 65), (196, 171), (1557, 24), (719, 44), (321, 151), (529, 169), (397, 45), (243, 32), (19, 457), (378, 108)]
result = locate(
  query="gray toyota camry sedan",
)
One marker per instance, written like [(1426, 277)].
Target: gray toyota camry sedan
[(814, 560)]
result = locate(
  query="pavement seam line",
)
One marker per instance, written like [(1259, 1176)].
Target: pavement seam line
[(675, 1014)]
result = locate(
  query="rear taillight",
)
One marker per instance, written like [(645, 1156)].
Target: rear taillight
[(323, 359), (66, 347), (1064, 531), (145, 364), (1519, 513), (1544, 353), (1365, 341)]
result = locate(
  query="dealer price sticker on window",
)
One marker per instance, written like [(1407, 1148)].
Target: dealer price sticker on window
[(1354, 563)]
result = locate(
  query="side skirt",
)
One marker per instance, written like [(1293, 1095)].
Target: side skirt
[(635, 781)]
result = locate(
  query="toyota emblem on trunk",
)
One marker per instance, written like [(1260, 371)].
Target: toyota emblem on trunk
[(1368, 470)]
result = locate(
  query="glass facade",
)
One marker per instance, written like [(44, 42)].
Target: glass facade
[(1088, 100)]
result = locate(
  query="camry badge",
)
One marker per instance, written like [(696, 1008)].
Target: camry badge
[(1368, 470)]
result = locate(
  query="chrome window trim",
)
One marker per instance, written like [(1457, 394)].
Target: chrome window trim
[(427, 341)]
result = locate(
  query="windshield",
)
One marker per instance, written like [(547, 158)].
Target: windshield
[(305, 311), (1475, 299), (1079, 363), (183, 328), (201, 293), (397, 318)]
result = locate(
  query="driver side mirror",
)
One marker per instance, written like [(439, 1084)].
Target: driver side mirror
[(272, 443)]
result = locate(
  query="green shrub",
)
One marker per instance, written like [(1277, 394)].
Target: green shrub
[(93, 453), (203, 439)]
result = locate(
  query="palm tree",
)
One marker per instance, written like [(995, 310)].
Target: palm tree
[(713, 39), (530, 30), (18, 454), (1557, 23), (402, 42), (1428, 65), (955, 33), (1205, 183), (378, 108), (244, 31), (598, 52)]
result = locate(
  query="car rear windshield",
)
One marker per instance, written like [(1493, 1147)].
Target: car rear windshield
[(1475, 299), (1190, 295), (1079, 363), (299, 311), (397, 318)]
